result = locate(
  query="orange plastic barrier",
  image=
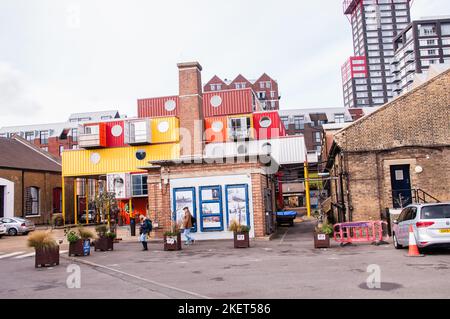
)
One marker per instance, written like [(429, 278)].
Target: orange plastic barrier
[(359, 232)]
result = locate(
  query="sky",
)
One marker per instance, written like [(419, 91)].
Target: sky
[(59, 57)]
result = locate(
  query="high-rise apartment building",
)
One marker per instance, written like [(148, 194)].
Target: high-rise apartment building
[(423, 43), (367, 79)]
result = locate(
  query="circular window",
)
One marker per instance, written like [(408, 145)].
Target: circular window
[(265, 121), (267, 148), (141, 155), (170, 105), (163, 127), (218, 151), (217, 126), (116, 130), (216, 101), (242, 149), (95, 158)]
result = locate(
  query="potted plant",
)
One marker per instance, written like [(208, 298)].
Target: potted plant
[(241, 234), (322, 235), (80, 242), (172, 238), (46, 248), (105, 239)]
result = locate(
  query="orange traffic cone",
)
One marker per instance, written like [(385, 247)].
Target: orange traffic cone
[(413, 248)]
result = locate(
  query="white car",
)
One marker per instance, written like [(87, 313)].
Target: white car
[(431, 225), (2, 230)]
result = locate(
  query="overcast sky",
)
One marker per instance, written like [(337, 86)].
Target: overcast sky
[(64, 56)]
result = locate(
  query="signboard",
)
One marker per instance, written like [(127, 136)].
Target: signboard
[(120, 184), (183, 197), (321, 237), (86, 248), (237, 204)]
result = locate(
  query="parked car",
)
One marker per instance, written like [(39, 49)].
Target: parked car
[(431, 224), (91, 215), (15, 225), (2, 230)]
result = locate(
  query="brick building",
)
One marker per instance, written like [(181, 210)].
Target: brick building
[(216, 152), (397, 155), (57, 137), (265, 87), (30, 181)]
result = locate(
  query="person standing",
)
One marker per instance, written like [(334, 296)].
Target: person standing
[(187, 225), (144, 231)]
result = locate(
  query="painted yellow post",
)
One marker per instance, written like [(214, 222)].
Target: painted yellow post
[(308, 195), (86, 192), (75, 201), (63, 200), (130, 207)]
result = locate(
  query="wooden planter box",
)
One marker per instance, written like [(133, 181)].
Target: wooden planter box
[(104, 244), (241, 240), (77, 248), (46, 257), (172, 243), (321, 240)]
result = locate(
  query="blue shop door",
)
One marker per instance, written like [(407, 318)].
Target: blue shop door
[(401, 186)]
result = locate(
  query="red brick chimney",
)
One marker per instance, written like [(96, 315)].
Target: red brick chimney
[(191, 109)]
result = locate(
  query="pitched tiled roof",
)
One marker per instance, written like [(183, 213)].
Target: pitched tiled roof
[(17, 153)]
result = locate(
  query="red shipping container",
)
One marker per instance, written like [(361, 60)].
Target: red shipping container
[(268, 125), (160, 106), (115, 134), (228, 102)]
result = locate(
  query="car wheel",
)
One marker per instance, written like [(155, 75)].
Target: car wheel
[(396, 244), (12, 232)]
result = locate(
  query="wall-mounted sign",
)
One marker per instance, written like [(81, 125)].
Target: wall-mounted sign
[(237, 204)]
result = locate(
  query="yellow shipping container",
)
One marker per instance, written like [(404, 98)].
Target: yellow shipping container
[(115, 160), (165, 130)]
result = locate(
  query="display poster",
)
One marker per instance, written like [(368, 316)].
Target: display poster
[(237, 204)]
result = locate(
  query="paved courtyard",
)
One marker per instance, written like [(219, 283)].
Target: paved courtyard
[(286, 267)]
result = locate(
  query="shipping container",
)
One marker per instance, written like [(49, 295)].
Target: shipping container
[(92, 135), (115, 160), (160, 106), (268, 125), (240, 127), (115, 134), (216, 129), (229, 102), (284, 150), (165, 130)]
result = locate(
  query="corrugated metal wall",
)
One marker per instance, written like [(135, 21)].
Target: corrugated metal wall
[(111, 140), (154, 107), (114, 160), (171, 135), (276, 128), (233, 102), (211, 135)]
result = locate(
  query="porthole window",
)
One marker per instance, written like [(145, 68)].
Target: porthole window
[(216, 101), (116, 130), (163, 127), (267, 148), (217, 127), (95, 158), (170, 105), (242, 149), (141, 155), (265, 121)]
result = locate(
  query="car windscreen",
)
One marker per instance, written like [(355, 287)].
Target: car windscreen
[(436, 212)]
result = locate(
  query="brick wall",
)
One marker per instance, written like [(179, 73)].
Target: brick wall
[(159, 194), (412, 130), (46, 182)]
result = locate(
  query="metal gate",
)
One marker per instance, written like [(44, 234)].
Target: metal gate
[(268, 205)]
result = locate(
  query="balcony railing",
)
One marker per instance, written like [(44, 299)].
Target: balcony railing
[(89, 140)]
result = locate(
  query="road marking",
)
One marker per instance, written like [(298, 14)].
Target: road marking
[(11, 254), (25, 256), (137, 277), (282, 238)]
